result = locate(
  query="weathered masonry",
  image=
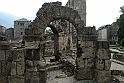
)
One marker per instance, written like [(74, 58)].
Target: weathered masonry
[(28, 65)]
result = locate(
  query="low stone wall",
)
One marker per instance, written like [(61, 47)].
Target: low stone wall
[(119, 57), (12, 66)]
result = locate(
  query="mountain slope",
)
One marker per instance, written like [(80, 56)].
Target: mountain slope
[(7, 20)]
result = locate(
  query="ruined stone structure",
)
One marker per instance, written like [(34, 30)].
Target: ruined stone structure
[(93, 56), (2, 30), (28, 65), (80, 6), (10, 34)]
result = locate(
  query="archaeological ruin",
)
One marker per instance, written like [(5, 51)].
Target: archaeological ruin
[(28, 64)]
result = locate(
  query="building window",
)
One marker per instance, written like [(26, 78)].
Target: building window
[(22, 29), (21, 33), (21, 24)]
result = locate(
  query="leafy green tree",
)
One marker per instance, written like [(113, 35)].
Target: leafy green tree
[(122, 9), (122, 42), (48, 31), (120, 23)]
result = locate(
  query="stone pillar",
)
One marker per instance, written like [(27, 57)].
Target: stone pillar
[(35, 61), (35, 64), (86, 53), (102, 63), (56, 46), (85, 60), (34, 54)]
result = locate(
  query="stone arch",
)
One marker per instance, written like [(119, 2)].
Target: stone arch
[(54, 12), (48, 13), (86, 41)]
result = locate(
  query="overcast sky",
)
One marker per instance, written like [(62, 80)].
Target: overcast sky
[(99, 12)]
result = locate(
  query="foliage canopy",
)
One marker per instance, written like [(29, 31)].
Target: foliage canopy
[(120, 23)]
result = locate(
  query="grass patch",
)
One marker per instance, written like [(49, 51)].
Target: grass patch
[(116, 52), (112, 45), (113, 51)]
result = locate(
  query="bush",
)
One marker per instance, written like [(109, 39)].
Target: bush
[(122, 42)]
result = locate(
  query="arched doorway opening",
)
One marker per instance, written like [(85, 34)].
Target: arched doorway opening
[(62, 38), (62, 43)]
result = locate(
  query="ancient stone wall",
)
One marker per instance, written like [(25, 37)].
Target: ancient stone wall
[(86, 54), (29, 66), (102, 62), (12, 63), (91, 54)]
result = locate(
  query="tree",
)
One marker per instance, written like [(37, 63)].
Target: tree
[(122, 9), (122, 42), (120, 23), (48, 31)]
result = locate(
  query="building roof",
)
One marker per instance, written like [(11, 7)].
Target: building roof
[(22, 19), (104, 26), (2, 26)]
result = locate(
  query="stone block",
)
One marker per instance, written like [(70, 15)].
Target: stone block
[(4, 47), (79, 38), (57, 12), (29, 63), (107, 64), (2, 54), (80, 63), (39, 64), (3, 69), (88, 53), (90, 37), (100, 64), (87, 44), (62, 12), (13, 68), (84, 74), (103, 54), (20, 68), (16, 79), (77, 20), (103, 44), (31, 77), (7, 53), (18, 55), (32, 45), (42, 75), (35, 79), (90, 31), (8, 67), (73, 15), (81, 27), (89, 63), (103, 76)]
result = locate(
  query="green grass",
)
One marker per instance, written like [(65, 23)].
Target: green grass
[(116, 52), (112, 45), (113, 51)]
